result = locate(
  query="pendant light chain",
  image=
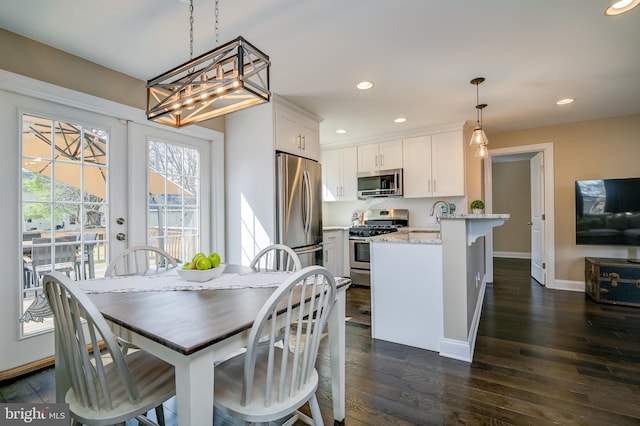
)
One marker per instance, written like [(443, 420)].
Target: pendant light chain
[(190, 29), (217, 13)]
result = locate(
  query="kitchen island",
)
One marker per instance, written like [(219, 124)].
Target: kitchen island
[(427, 286)]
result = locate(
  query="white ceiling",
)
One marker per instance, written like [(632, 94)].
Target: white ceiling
[(421, 54)]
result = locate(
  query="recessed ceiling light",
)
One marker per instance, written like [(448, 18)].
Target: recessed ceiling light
[(364, 85), (621, 6), (400, 120), (341, 131), (565, 101)]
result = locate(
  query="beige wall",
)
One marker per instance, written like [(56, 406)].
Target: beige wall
[(597, 149), (26, 57), (512, 194)]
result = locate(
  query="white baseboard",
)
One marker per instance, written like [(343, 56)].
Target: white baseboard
[(459, 349), (569, 285), (456, 349), (512, 254)]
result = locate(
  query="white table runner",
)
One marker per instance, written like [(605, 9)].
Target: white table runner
[(171, 281)]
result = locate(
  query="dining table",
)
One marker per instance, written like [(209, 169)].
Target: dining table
[(194, 325)]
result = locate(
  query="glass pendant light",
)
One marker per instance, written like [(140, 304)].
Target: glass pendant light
[(482, 152), (478, 137)]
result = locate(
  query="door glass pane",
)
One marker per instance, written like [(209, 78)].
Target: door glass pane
[(64, 205), (174, 198)]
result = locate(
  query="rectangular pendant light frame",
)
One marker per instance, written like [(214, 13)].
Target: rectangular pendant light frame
[(229, 78)]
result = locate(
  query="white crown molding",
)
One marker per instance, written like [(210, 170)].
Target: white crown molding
[(409, 133)]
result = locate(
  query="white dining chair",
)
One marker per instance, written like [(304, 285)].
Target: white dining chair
[(104, 389), (142, 259), (279, 379), (276, 257)]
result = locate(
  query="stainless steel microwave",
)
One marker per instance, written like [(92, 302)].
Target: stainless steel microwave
[(380, 183)]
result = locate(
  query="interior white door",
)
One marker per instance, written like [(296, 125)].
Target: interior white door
[(537, 219)]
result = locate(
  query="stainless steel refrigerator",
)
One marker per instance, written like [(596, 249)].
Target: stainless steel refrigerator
[(299, 206)]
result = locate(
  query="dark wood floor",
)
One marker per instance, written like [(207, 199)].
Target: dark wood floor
[(542, 357)]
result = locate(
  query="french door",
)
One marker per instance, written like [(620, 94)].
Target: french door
[(73, 190)]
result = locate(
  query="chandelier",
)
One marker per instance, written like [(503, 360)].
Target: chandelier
[(229, 78), (479, 137)]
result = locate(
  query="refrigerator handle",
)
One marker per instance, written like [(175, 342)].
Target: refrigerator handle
[(305, 201), (309, 203)]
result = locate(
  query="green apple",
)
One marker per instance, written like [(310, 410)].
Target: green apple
[(215, 259), (203, 263)]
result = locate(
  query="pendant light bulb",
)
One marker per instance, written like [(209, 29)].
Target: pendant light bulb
[(482, 152)]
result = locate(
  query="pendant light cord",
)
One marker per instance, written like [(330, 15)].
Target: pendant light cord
[(478, 110)]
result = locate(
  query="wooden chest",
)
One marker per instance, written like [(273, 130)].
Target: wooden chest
[(615, 281)]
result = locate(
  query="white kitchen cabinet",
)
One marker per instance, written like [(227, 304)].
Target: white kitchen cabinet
[(296, 133), (434, 165), (380, 156), (333, 246), (339, 174)]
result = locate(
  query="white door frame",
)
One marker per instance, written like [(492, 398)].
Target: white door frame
[(547, 150)]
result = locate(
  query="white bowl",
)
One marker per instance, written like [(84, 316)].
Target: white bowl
[(201, 276)]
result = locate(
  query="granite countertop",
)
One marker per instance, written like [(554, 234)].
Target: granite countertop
[(335, 228), (412, 235), (475, 216)]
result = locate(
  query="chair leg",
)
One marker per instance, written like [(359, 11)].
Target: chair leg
[(160, 415), (315, 411)]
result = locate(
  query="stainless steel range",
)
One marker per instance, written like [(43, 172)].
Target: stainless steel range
[(376, 222)]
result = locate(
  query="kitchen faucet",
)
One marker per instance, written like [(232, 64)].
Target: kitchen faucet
[(433, 208)]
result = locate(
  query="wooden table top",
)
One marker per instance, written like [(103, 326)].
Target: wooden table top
[(186, 321)]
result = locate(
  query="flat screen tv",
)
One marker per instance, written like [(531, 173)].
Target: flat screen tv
[(608, 212)]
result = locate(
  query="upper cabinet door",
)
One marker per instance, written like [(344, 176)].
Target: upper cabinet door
[(390, 155), (339, 174), (447, 163), (434, 165), (297, 134), (380, 156), (417, 167)]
